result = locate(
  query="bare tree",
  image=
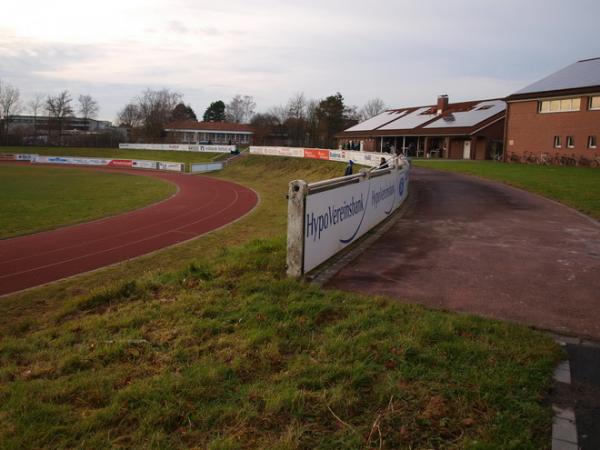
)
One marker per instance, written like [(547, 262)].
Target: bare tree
[(296, 106), (130, 116), (10, 104), (280, 112), (88, 107), (59, 108), (156, 109), (240, 109), (371, 109), (35, 105)]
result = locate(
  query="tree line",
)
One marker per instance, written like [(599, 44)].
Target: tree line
[(298, 122)]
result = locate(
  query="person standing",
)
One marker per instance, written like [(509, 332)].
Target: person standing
[(349, 168)]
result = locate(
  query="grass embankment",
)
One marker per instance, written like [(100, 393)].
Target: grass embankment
[(92, 152), (576, 187), (212, 346), (34, 198)]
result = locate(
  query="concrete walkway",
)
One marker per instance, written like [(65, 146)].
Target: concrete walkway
[(486, 248)]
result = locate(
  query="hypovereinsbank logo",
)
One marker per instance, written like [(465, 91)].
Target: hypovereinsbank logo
[(316, 224)]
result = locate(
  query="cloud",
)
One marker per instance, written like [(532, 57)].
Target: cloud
[(401, 51)]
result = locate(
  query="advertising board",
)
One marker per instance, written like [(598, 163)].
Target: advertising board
[(316, 153), (120, 163), (206, 167), (171, 166), (143, 164), (335, 218)]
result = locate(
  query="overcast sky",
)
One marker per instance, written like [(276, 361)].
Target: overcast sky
[(405, 52)]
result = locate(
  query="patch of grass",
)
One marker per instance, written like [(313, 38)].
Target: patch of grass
[(93, 152), (577, 187), (229, 353), (34, 198), (222, 351)]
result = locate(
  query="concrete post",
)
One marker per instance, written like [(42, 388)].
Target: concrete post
[(295, 233)]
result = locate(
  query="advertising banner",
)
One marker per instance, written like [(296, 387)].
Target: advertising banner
[(180, 147), (171, 166), (120, 163), (316, 153), (143, 164), (206, 167), (335, 218), (278, 151)]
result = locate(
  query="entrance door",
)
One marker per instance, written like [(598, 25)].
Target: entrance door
[(467, 150)]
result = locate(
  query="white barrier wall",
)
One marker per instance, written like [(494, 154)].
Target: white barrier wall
[(180, 147), (206, 167), (334, 218), (124, 163), (17, 156), (363, 158)]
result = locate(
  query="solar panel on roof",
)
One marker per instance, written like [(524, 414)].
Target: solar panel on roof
[(480, 112), (585, 73), (377, 121)]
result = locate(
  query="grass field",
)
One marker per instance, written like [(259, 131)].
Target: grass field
[(574, 186), (154, 155), (208, 345), (34, 198)]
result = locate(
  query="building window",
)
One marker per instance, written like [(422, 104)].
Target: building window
[(562, 105), (592, 142), (594, 102), (570, 142), (557, 143)]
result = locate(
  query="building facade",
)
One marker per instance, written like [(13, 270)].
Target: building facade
[(556, 116), (193, 132), (466, 130)]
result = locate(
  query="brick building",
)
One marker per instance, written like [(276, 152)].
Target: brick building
[(193, 132), (466, 130), (558, 115)]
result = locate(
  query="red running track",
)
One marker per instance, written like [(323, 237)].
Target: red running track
[(201, 205)]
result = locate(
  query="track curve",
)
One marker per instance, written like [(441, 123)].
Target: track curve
[(202, 204)]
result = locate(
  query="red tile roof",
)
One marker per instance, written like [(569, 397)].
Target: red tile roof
[(209, 126)]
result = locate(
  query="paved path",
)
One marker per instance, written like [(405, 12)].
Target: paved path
[(201, 205), (471, 245)]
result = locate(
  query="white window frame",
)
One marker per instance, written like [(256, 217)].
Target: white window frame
[(550, 110), (592, 141), (557, 142), (570, 142), (590, 103)]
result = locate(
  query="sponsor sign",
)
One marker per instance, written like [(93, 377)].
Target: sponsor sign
[(171, 166), (26, 157), (216, 148), (207, 167), (316, 153), (278, 151), (120, 163), (335, 218), (180, 147), (8, 157), (143, 164), (363, 158)]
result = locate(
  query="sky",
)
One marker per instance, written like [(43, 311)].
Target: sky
[(404, 52)]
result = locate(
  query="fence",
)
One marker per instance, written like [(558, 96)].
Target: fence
[(326, 217), (85, 161), (363, 158), (181, 147)]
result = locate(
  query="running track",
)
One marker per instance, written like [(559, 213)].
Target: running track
[(201, 205)]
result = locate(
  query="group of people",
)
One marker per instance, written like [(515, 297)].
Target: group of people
[(383, 164), (351, 145)]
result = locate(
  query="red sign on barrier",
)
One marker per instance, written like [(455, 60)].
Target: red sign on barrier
[(316, 153), (121, 163), (7, 157)]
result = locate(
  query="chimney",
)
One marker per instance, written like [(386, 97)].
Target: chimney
[(442, 103)]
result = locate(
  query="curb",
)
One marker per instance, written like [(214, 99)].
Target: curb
[(564, 426)]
